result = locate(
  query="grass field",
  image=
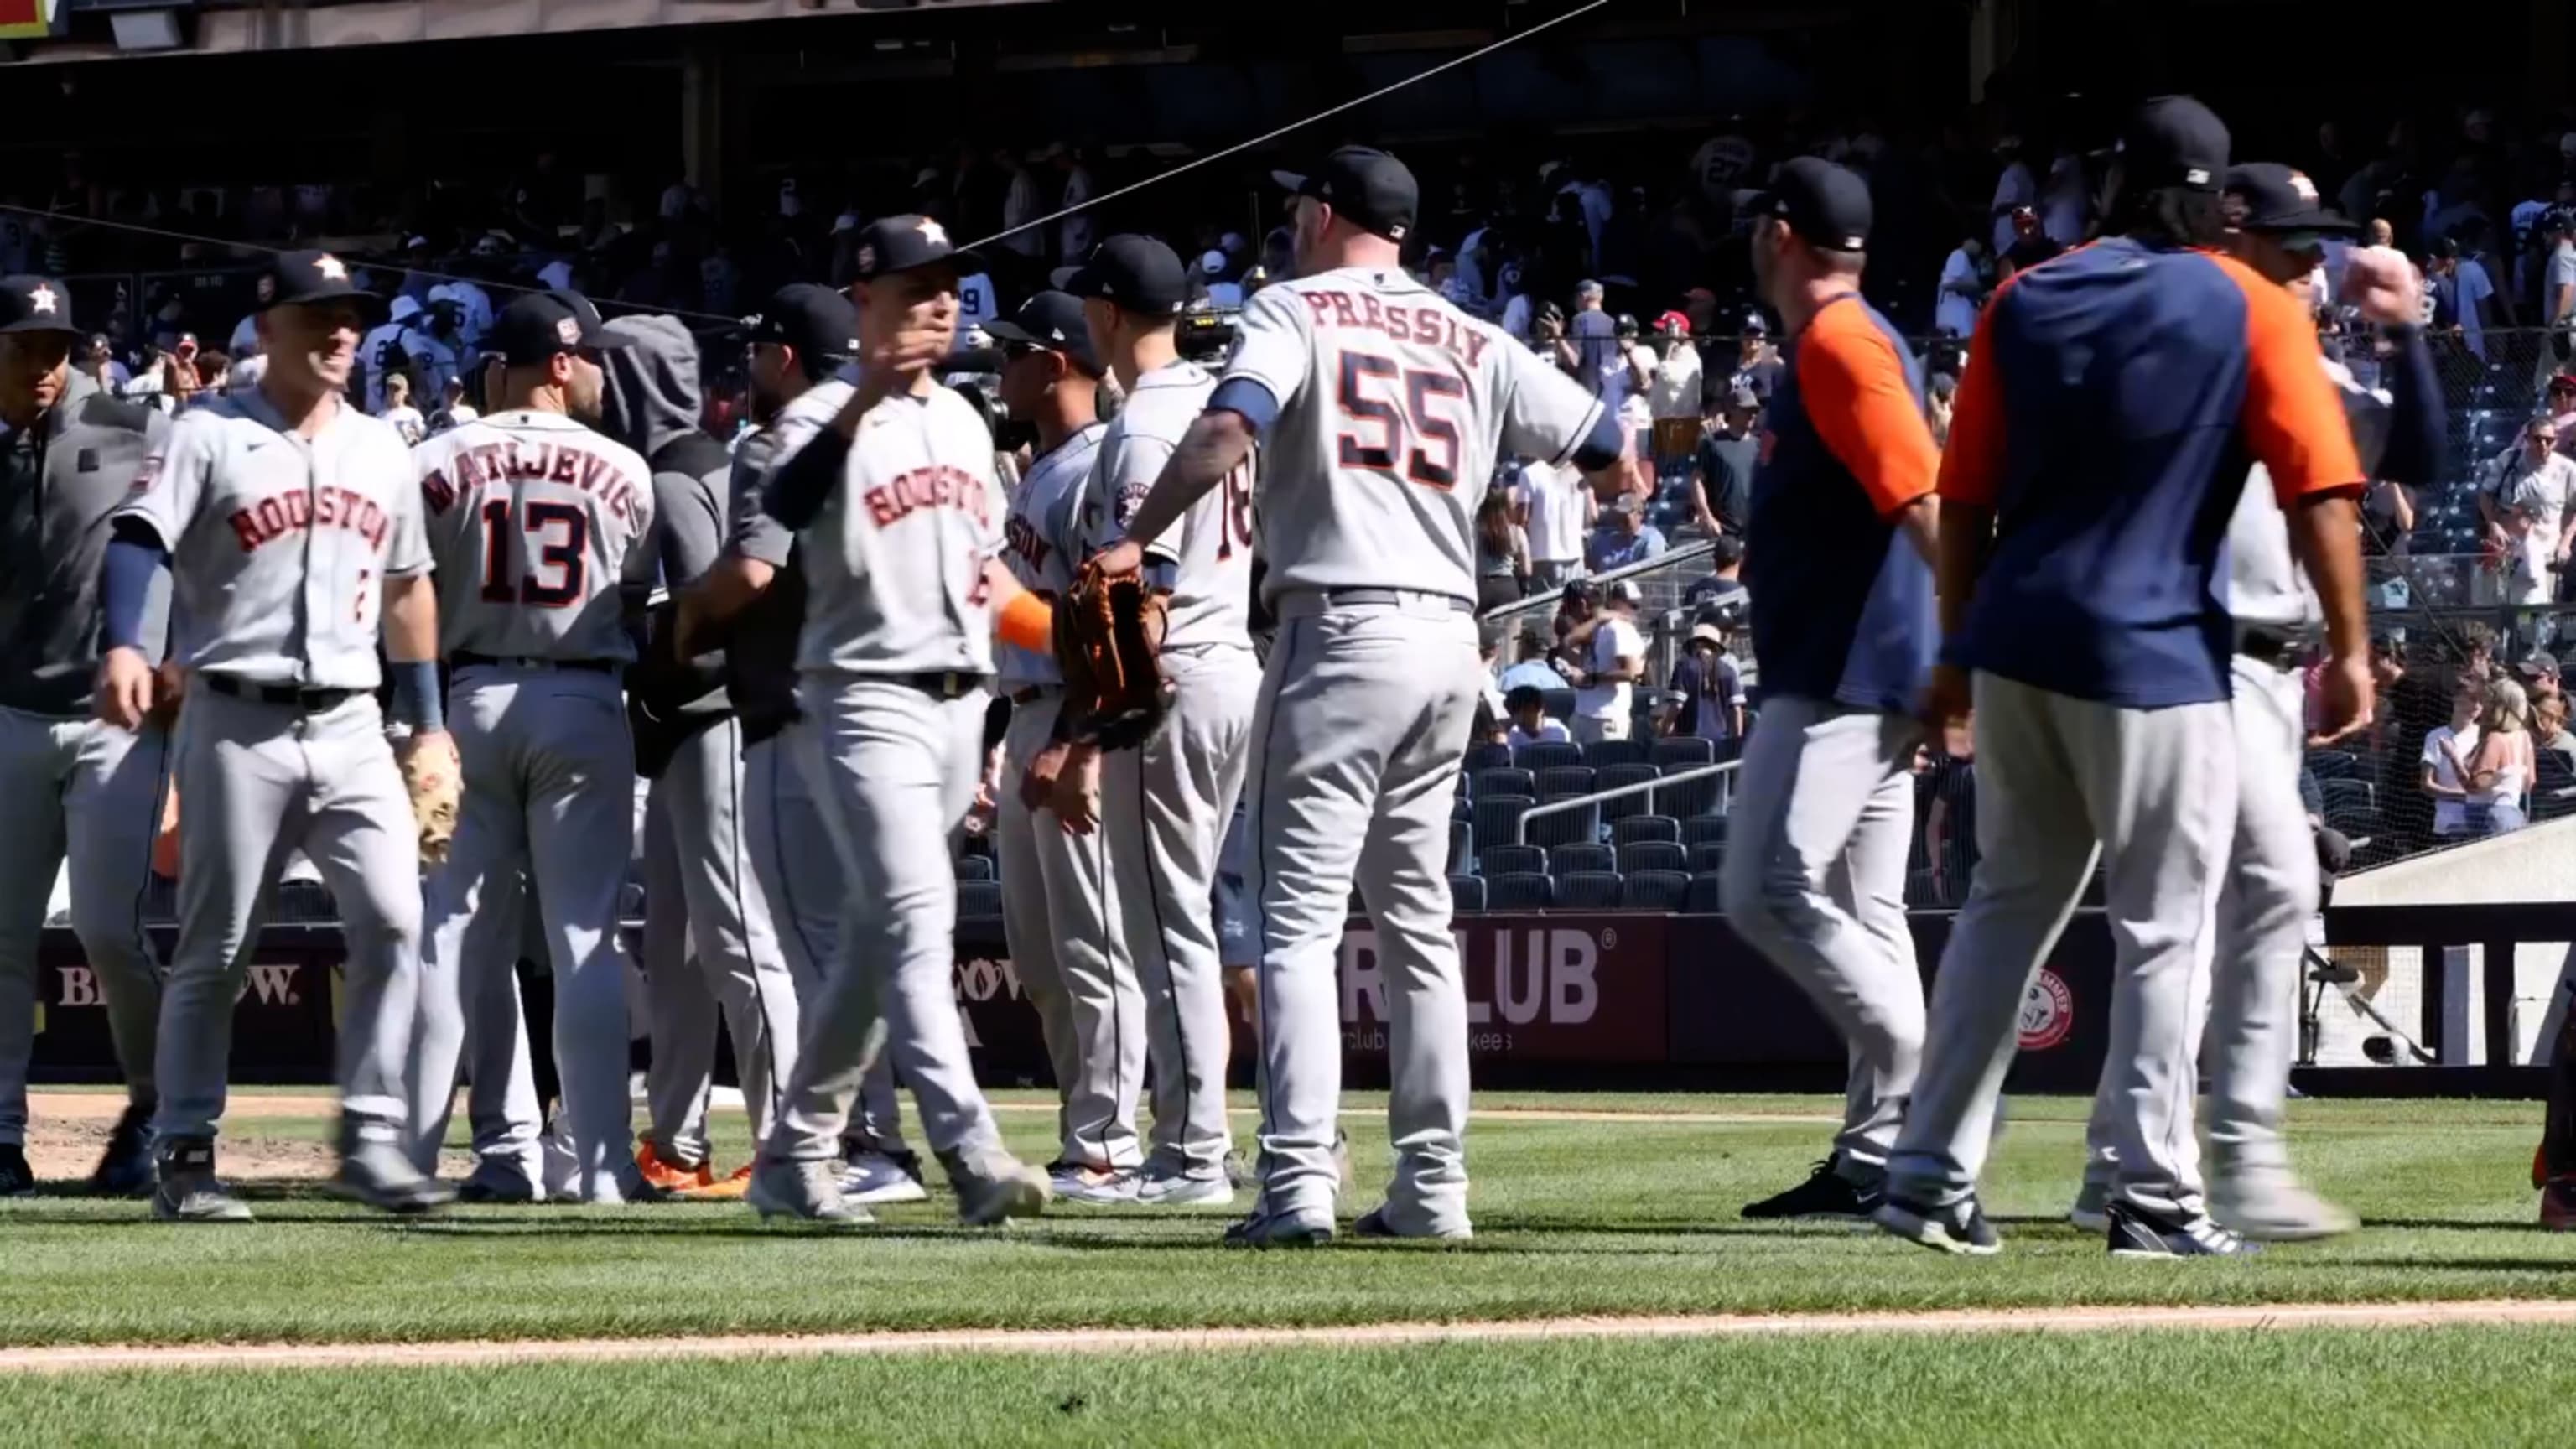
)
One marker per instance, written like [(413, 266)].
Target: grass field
[(1631, 1211)]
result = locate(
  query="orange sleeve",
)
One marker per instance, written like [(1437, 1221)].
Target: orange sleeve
[(1856, 395), (2292, 419), (1972, 466), (1027, 621)]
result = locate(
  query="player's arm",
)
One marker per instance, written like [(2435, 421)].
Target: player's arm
[(1273, 352), (410, 627), (1858, 396), (800, 486), (1549, 415), (755, 550), (143, 531)]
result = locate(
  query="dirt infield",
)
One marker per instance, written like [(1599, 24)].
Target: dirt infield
[(2265, 1318)]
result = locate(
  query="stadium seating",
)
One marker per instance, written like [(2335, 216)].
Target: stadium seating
[(1588, 890), (1646, 827), (1602, 754), (1704, 830), (2553, 787), (1494, 860), (1582, 855), (1488, 756), (2352, 806), (979, 900), (1618, 776), (1462, 848), (1684, 752), (2334, 765), (1518, 891), (974, 867), (1708, 856), (1548, 754), (1466, 894), (1651, 855), (1496, 818), (1558, 780), (1505, 780), (1705, 896), (1568, 826), (1654, 890), (1558, 703)]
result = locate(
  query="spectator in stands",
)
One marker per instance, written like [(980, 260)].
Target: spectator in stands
[(399, 412), (2550, 735), (1075, 233), (453, 409), (1615, 661), (1628, 539), (2538, 676), (1720, 598), (2463, 295), (1530, 669), (1530, 722), (2449, 753), (2500, 775), (1712, 690), (1722, 468), (2030, 246), (1589, 349), (1757, 363), (2016, 191), (1674, 398), (1964, 284), (2387, 522), (1502, 553), (2558, 289), (1555, 508), (2538, 488)]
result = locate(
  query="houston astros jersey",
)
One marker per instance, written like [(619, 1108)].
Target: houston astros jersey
[(1212, 544), (280, 544), (532, 518), (1393, 405), (894, 563), (1039, 544)]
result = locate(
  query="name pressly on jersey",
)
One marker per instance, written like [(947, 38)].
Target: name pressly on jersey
[(499, 463), (1368, 312)]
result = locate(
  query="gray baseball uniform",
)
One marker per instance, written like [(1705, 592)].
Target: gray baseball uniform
[(793, 860), (1390, 407), (80, 785), (279, 547), (535, 522), (1060, 909), (697, 844), (1165, 804), (897, 526)]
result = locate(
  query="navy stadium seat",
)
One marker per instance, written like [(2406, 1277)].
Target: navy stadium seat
[(1518, 891), (1462, 849), (1682, 752), (1706, 899), (1651, 855), (1582, 855), (1548, 754), (974, 867), (979, 900), (1496, 815), (1487, 756), (1646, 827), (1566, 827), (1505, 780), (1654, 890), (1558, 703), (1466, 894), (1496, 860), (1602, 754), (1588, 890), (1708, 855), (1618, 776), (1704, 830), (1565, 780)]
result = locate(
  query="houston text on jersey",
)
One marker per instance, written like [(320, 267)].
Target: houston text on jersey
[(937, 486), (280, 514)]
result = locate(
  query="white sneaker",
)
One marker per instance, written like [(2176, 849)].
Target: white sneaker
[(873, 1177), (2275, 1207), (1074, 1182), (1175, 1189)]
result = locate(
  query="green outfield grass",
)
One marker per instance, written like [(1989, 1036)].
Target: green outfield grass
[(1572, 1217)]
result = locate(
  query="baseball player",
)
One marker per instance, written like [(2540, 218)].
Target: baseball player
[(901, 519), (2277, 228), (291, 527), (690, 744), (535, 523), (1165, 804), (1059, 910), (1380, 408), (1815, 868), (2081, 536), (80, 787), (752, 600)]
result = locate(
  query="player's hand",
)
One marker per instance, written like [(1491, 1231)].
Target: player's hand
[(439, 743), (1126, 556), (169, 683), (2381, 283), (1076, 799), (124, 687), (2343, 706), (1946, 700), (1037, 782)]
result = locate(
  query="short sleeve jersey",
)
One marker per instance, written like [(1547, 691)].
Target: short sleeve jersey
[(1392, 407), (532, 518), (280, 544), (894, 564), (1211, 547), (1039, 546)]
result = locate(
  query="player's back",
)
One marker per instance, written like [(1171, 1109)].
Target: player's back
[(1393, 407), (1212, 545), (532, 518)]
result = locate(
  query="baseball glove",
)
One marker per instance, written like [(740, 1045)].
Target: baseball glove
[(1109, 643), (430, 777)]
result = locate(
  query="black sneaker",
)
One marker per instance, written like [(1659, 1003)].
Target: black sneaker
[(125, 1168), (17, 1179), (1825, 1194), (1960, 1228), (2138, 1233)]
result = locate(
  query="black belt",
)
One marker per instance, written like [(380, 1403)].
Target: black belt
[(467, 659), (1389, 598), (940, 683), (2278, 645), (302, 697)]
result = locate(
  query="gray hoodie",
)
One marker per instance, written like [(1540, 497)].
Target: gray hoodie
[(652, 405)]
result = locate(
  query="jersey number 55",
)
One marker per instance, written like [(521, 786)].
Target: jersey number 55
[(1392, 410)]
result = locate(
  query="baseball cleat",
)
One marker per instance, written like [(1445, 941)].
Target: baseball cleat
[(17, 1179), (996, 1187), (493, 1182), (1075, 1182), (1373, 1224), (2274, 1207), (1825, 1194), (803, 1189), (2558, 1204), (723, 1189), (188, 1190), (663, 1175), (875, 1177), (2092, 1210), (1960, 1228), (125, 1168), (374, 1171), (2138, 1233), (1280, 1230), (1179, 1189), (1238, 1171)]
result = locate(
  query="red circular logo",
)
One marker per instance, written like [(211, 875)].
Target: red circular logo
[(2047, 1012)]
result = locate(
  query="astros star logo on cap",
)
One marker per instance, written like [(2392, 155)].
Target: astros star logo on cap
[(41, 299), (331, 268), (933, 233)]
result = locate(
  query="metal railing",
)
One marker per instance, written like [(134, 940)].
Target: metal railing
[(1520, 830)]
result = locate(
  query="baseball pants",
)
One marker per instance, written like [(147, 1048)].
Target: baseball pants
[(2270, 892), (700, 891), (1062, 918), (2061, 783), (1164, 808), (502, 1104), (1815, 878), (90, 792), (799, 873), (256, 781), (549, 776), (893, 771), (1361, 723)]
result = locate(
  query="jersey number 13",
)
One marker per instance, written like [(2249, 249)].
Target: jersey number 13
[(559, 537)]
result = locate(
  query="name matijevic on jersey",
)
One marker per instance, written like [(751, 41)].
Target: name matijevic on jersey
[(1366, 310), (296, 510), (516, 460)]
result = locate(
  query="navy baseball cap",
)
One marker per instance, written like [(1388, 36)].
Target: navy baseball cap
[(1368, 188), (306, 278), (30, 303), (1051, 322), (905, 243), (541, 324), (1825, 205), (2174, 141), (2265, 196), (1138, 273), (809, 317)]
